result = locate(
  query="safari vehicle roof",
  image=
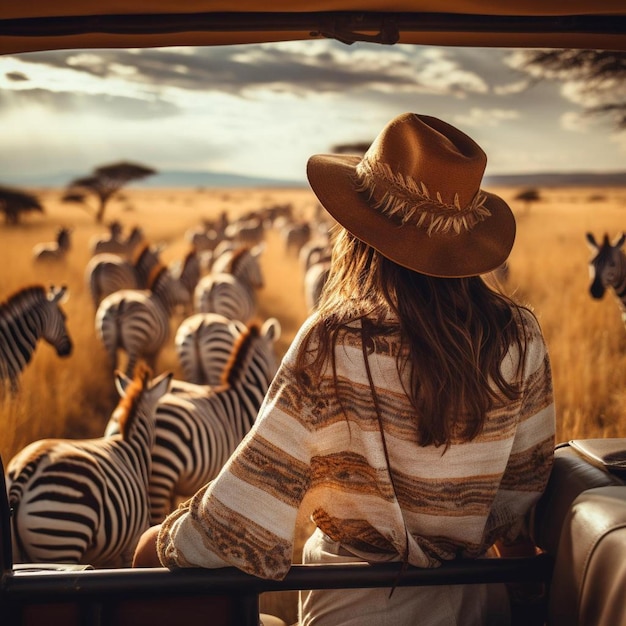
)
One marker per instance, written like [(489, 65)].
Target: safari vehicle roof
[(32, 25)]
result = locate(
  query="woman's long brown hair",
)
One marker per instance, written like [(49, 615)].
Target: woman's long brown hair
[(457, 332)]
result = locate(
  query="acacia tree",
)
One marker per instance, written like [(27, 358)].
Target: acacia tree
[(104, 183), (14, 202), (601, 75)]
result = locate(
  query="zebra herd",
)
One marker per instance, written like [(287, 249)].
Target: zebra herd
[(87, 501)]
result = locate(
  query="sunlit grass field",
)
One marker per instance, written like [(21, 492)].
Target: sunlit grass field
[(74, 397)]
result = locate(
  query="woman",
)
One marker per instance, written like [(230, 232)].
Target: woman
[(413, 413)]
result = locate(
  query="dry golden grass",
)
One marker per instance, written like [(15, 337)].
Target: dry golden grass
[(73, 397)]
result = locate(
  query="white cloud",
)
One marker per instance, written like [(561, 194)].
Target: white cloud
[(575, 122), (511, 88), (619, 139), (477, 117)]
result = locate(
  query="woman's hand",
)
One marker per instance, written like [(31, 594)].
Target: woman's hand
[(146, 552)]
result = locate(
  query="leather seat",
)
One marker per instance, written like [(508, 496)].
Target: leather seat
[(581, 520)]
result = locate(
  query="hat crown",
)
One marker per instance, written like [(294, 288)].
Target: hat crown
[(432, 153), (423, 171)]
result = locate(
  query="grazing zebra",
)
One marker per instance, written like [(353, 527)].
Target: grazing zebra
[(138, 321), (607, 269), (107, 273), (54, 250), (30, 314), (86, 501), (198, 427), (203, 344)]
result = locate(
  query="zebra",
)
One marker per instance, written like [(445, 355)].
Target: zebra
[(26, 316), (607, 268), (138, 321), (198, 427), (106, 273), (296, 234), (243, 263), (112, 242), (203, 343), (314, 251), (188, 272), (249, 231), (224, 294), (55, 250), (86, 501), (230, 288), (115, 244), (314, 280)]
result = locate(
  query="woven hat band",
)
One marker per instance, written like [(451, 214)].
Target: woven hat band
[(408, 201)]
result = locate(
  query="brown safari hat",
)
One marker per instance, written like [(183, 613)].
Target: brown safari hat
[(415, 197)]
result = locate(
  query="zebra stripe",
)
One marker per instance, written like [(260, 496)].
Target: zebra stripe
[(25, 317), (204, 343), (138, 322), (244, 264), (226, 295), (85, 501), (199, 427), (607, 269)]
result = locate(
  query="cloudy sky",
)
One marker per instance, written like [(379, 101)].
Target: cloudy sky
[(262, 110)]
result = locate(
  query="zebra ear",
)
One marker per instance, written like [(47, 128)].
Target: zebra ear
[(591, 240), (161, 383), (258, 249), (121, 383), (237, 327), (271, 329), (59, 295), (620, 242)]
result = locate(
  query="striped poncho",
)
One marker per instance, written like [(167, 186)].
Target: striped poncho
[(323, 441)]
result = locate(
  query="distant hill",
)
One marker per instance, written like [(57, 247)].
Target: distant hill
[(569, 179), (201, 179), (166, 179)]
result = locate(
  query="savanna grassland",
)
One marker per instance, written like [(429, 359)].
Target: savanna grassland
[(74, 397)]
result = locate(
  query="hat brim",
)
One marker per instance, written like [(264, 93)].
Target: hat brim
[(447, 255)]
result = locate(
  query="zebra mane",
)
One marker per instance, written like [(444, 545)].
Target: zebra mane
[(236, 259), (126, 409), (238, 356), (155, 274), (25, 297), (189, 256), (139, 252)]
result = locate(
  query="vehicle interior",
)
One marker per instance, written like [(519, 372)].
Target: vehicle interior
[(578, 574)]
